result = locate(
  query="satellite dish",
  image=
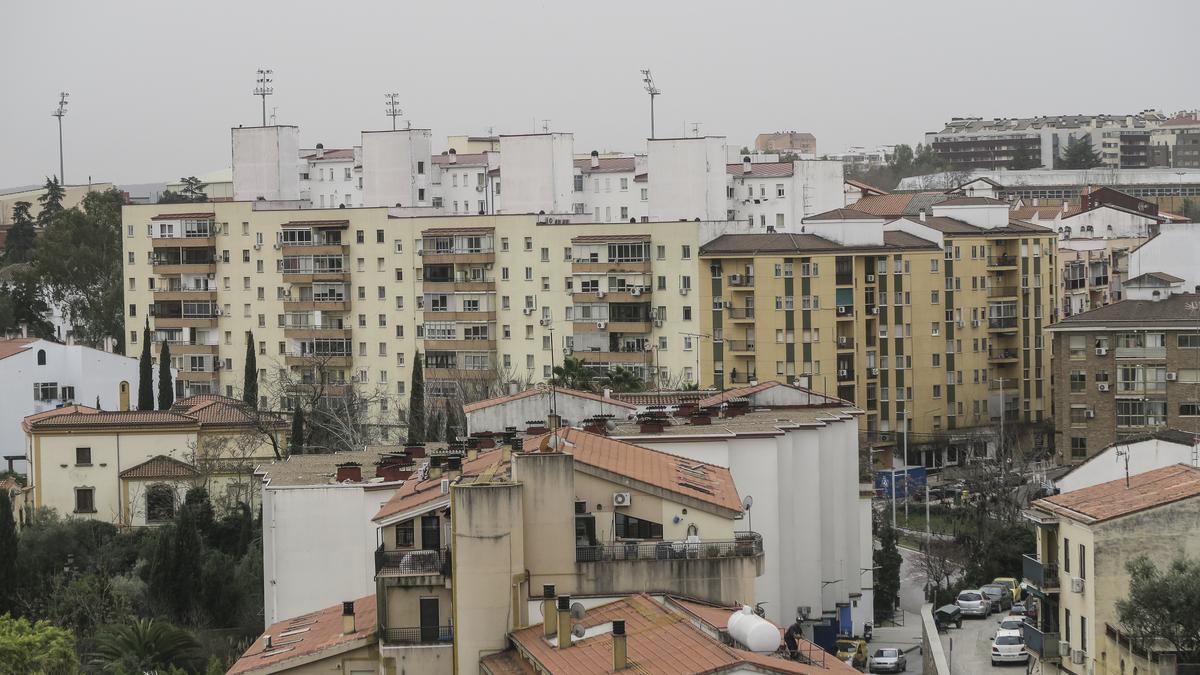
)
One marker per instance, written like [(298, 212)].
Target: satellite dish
[(747, 502), (578, 630), (577, 611)]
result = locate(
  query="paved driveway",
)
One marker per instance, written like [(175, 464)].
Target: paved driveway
[(969, 648)]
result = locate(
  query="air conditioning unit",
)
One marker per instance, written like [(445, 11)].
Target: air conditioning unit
[(728, 304), (599, 294), (842, 309), (843, 373), (842, 340), (658, 323), (1101, 351), (874, 310), (636, 292), (975, 323), (684, 291), (219, 312), (212, 276), (601, 325), (1076, 584), (959, 323), (1102, 386), (1064, 649), (1078, 656), (527, 311), (870, 278), (873, 371), (735, 279), (258, 247), (1171, 377), (621, 499), (545, 322), (1091, 414)]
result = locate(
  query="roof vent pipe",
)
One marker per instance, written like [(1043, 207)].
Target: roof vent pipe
[(549, 617), (922, 215), (595, 159), (348, 617), (564, 621), (746, 167), (453, 156), (620, 652)]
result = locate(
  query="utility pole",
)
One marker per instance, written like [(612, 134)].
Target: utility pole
[(392, 109), (60, 112), (264, 89), (653, 91)]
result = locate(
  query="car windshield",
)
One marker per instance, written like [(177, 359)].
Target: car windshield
[(846, 646), (886, 653), (993, 590), (969, 597), (1011, 624), (1008, 640)]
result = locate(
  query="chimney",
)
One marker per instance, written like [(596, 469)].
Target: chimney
[(549, 622), (320, 150), (619, 646), (453, 156), (348, 617), (607, 393), (350, 471), (267, 646), (746, 167), (595, 159), (415, 450), (454, 466), (564, 621), (435, 471), (922, 215), (1065, 206), (472, 454)]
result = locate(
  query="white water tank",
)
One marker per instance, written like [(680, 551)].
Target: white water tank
[(754, 632)]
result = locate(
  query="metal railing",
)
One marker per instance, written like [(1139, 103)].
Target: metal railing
[(741, 280), (744, 545), (1001, 291), (740, 312), (1043, 575), (845, 342), (417, 635), (417, 561), (740, 345), (1001, 261), (1002, 322), (1044, 645), (1000, 354)]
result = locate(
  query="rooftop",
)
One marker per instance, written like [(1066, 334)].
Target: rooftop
[(1178, 310), (419, 492), (204, 410), (310, 635), (160, 466), (12, 346), (770, 422), (1113, 499), (560, 391), (788, 243), (761, 169), (607, 165), (463, 159), (842, 214), (321, 469)]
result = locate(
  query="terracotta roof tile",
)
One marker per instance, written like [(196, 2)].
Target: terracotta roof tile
[(13, 346), (972, 201), (766, 243), (463, 159), (888, 205), (416, 493), (607, 165), (1173, 310), (842, 214), (176, 216), (1163, 277), (1113, 499), (310, 635), (1042, 212), (196, 411), (761, 169), (160, 466), (681, 475), (867, 187), (332, 155), (27, 423), (500, 400)]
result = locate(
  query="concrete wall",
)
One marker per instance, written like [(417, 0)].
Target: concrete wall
[(1174, 251), (934, 661), (1143, 456), (687, 178), (987, 216), (396, 167), (360, 661), (720, 580), (536, 173), (318, 546), (418, 659), (548, 514), (866, 232), (266, 163), (572, 409)]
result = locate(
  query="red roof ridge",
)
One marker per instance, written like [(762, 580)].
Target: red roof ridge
[(533, 391)]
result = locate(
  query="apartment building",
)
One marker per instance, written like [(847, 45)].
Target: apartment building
[(1085, 537), (1127, 369), (799, 142), (963, 291), (346, 298), (134, 467)]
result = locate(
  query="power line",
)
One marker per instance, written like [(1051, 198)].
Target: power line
[(264, 89)]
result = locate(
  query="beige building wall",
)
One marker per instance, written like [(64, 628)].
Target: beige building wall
[(598, 493), (72, 196), (360, 661)]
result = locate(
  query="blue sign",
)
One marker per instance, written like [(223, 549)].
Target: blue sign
[(908, 481)]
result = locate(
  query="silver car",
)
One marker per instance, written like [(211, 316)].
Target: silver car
[(974, 603), (887, 660)]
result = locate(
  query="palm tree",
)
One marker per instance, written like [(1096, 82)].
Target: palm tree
[(573, 374), (621, 379), (144, 645)]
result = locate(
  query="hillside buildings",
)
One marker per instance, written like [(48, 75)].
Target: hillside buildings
[(799, 142)]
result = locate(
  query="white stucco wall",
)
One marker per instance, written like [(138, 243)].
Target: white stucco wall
[(1108, 465), (396, 166), (1174, 251), (266, 163), (537, 173), (571, 409), (687, 178)]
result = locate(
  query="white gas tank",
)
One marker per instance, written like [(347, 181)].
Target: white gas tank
[(754, 632)]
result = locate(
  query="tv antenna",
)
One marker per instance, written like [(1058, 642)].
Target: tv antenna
[(392, 108), (1123, 453), (264, 89)]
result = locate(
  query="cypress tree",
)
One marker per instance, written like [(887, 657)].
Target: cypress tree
[(250, 377), (416, 403), (145, 400), (8, 552), (166, 388), (296, 442)]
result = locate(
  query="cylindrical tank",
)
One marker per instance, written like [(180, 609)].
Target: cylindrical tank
[(753, 632)]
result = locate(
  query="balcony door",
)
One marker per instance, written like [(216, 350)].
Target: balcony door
[(431, 533), (429, 620)]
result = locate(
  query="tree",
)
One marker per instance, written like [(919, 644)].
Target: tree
[(250, 376), (145, 373), (78, 260), (449, 432), (8, 551), (50, 201), (1079, 155), (18, 246), (416, 403), (144, 645), (296, 438), (22, 302), (36, 647), (621, 379), (193, 189), (175, 566), (1161, 605), (573, 374), (1190, 210), (166, 388), (1025, 159), (172, 197), (886, 560)]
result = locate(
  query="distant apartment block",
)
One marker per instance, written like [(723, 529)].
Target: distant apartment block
[(799, 142)]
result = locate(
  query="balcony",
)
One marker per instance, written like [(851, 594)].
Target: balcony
[(412, 563), (737, 377), (845, 312), (619, 294), (185, 264), (737, 281), (740, 313), (744, 545), (322, 303), (628, 357), (197, 375), (312, 247), (1002, 291), (317, 330), (417, 635), (1000, 262), (1042, 645), (464, 256), (1002, 323), (743, 346), (845, 342), (1141, 352), (1042, 575), (1003, 355), (459, 285), (190, 240), (591, 266), (467, 345)]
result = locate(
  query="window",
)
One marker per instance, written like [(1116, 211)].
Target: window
[(85, 500), (1189, 340), (160, 503), (1078, 381), (83, 456), (686, 252), (41, 355), (628, 527), (405, 534), (1078, 451)]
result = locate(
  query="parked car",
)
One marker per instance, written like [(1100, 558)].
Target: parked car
[(946, 615), (973, 603), (852, 651), (1009, 647), (999, 596), (1013, 585), (887, 660), (1026, 609), (1010, 623)]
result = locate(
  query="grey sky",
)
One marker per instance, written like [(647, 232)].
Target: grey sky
[(155, 86)]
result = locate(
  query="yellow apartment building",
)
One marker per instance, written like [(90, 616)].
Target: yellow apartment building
[(934, 321)]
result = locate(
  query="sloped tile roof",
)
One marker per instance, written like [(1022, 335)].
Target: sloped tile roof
[(1177, 309), (561, 391), (463, 159), (310, 635), (888, 205), (416, 493), (1113, 499), (972, 201), (842, 214), (13, 346), (867, 187), (160, 466), (195, 411), (761, 169), (607, 165)]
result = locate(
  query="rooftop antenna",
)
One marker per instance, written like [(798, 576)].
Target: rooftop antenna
[(59, 112), (545, 126), (692, 129), (1124, 453), (274, 109), (264, 89), (653, 91), (392, 108)]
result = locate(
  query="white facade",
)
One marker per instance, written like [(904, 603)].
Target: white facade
[(1174, 251), (43, 375), (537, 173), (608, 189), (687, 178), (535, 404), (317, 544), (462, 184), (396, 168), (266, 163), (781, 195), (331, 178), (1110, 463)]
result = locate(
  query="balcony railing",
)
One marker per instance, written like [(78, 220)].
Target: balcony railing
[(418, 635), (1141, 352), (845, 342), (744, 545), (1043, 645), (1001, 291), (740, 312), (1002, 261), (412, 562), (1001, 354), (741, 280), (1043, 575), (1002, 322), (739, 345)]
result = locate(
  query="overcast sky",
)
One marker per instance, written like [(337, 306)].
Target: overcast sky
[(155, 86)]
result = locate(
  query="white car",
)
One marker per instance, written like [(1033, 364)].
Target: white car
[(1011, 624), (974, 603), (887, 660), (1009, 647)]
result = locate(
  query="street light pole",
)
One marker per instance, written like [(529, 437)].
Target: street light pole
[(264, 89), (59, 112), (653, 91)]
